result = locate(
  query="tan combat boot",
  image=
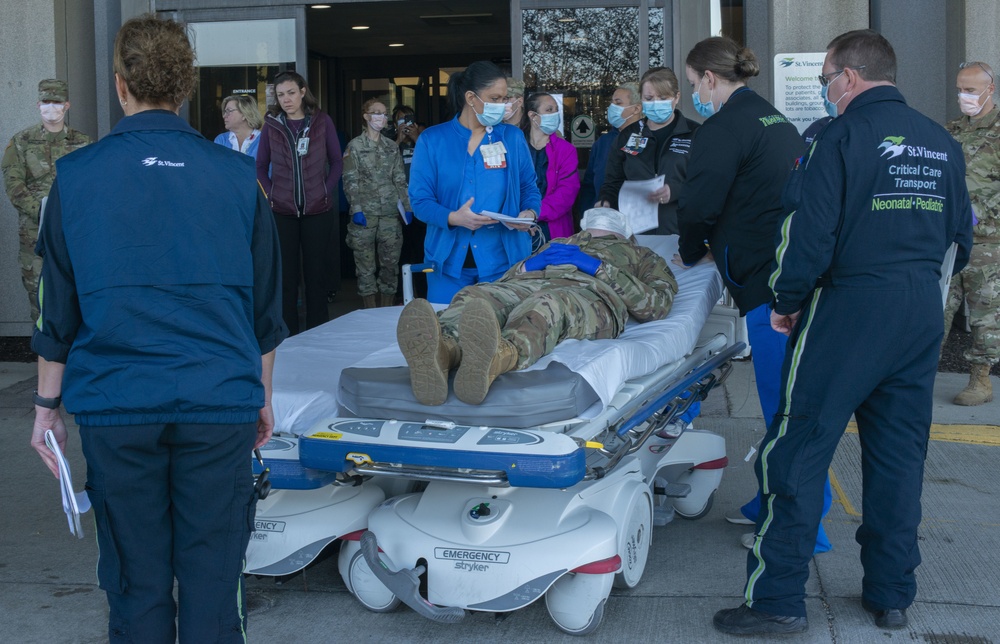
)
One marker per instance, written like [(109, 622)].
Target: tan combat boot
[(368, 301), (429, 353), (485, 355), (386, 299), (979, 390)]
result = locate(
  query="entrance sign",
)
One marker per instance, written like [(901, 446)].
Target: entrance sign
[(796, 87), (583, 131)]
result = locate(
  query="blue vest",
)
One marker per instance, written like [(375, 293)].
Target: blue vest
[(158, 224)]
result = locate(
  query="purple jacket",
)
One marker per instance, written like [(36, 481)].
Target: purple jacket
[(563, 184), (299, 185)]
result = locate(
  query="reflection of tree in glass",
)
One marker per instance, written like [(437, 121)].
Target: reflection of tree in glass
[(656, 37), (585, 53), (582, 48)]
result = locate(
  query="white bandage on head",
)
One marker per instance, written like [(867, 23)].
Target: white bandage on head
[(606, 219)]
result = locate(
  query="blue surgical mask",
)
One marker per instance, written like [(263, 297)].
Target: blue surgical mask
[(704, 109), (492, 113), (830, 106), (615, 117), (658, 111), (548, 123)]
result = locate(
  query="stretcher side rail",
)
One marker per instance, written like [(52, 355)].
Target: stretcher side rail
[(657, 412)]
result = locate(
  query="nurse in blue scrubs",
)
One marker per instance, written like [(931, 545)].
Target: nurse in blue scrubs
[(471, 164)]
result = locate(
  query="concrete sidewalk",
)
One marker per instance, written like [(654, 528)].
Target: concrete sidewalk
[(48, 590)]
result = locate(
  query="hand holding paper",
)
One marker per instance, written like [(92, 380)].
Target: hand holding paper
[(74, 503), (633, 200)]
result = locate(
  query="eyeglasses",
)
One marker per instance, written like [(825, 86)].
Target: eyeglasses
[(378, 113), (824, 81), (229, 111), (976, 64)]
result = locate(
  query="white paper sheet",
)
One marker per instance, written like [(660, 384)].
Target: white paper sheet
[(507, 220), (74, 503), (642, 213)]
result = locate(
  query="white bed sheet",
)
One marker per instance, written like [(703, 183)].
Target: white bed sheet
[(307, 367)]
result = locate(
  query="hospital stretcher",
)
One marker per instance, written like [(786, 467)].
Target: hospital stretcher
[(550, 488)]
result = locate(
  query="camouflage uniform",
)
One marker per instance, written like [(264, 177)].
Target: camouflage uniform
[(979, 281), (374, 183), (29, 167), (539, 309)]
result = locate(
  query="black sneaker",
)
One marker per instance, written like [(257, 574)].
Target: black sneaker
[(891, 618), (746, 621)]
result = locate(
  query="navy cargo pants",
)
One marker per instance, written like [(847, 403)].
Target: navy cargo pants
[(873, 353), (172, 501)]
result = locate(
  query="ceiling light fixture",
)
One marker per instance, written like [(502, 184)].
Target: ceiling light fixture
[(360, 27), (395, 44), (320, 6)]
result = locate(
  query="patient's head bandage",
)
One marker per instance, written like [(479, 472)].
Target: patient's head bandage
[(606, 219)]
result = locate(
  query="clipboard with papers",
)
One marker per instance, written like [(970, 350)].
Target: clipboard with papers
[(506, 220), (74, 503)]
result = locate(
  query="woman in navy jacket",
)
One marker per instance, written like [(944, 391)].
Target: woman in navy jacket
[(471, 164), (158, 328)]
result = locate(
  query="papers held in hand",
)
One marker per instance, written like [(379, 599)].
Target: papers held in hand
[(633, 200), (74, 503), (506, 220)]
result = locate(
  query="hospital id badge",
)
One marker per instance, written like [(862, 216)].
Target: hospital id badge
[(634, 144), (494, 155), (303, 146)]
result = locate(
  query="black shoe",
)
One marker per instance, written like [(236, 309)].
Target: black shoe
[(746, 621), (894, 618)]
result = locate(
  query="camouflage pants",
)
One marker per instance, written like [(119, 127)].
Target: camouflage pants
[(376, 248), (536, 315), (979, 285), (31, 271)]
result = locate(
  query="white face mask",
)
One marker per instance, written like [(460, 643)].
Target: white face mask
[(52, 112), (376, 121), (969, 103)]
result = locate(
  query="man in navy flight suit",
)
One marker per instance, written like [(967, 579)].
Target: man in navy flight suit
[(877, 202)]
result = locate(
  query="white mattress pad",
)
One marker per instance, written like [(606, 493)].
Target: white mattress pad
[(307, 366)]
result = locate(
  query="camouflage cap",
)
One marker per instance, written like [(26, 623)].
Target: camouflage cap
[(515, 87), (53, 89)]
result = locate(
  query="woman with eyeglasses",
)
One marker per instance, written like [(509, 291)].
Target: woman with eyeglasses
[(298, 166), (472, 164), (732, 207), (657, 144), (375, 185), (243, 123), (556, 165)]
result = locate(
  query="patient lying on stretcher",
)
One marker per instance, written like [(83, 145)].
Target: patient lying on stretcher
[(584, 287)]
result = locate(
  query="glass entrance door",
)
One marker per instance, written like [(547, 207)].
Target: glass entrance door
[(584, 53), (238, 52)]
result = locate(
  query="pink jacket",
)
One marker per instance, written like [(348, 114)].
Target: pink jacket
[(563, 185)]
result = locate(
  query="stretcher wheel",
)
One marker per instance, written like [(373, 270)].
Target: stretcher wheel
[(362, 582), (576, 601), (633, 541), (700, 513)]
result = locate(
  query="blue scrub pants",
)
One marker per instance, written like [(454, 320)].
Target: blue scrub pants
[(441, 288), (172, 501), (768, 355), (881, 368)]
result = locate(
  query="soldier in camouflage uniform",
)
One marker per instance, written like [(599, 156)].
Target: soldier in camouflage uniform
[(583, 287), (978, 130), (375, 184), (29, 167)]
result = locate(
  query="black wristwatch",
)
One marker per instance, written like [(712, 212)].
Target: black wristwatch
[(48, 403)]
